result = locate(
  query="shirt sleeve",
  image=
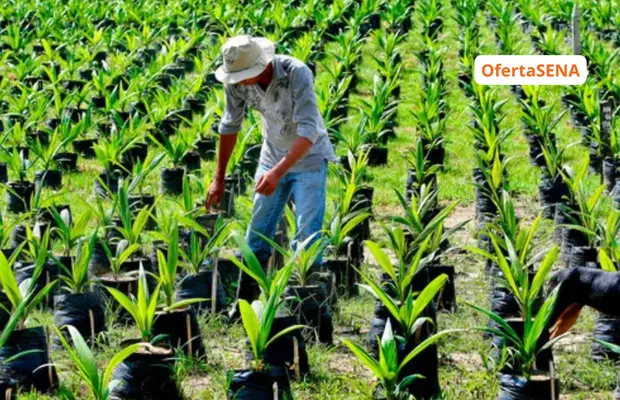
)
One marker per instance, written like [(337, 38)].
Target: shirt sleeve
[(305, 110), (234, 112)]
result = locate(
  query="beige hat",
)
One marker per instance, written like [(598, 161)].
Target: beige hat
[(244, 57)]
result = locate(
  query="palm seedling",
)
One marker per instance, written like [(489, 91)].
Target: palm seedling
[(75, 278), (141, 308), (155, 362), (26, 359), (512, 254), (204, 245), (305, 258), (390, 367), (132, 225), (25, 296), (175, 310), (421, 174), (20, 191), (412, 320), (397, 280), (527, 343), (423, 219), (378, 112), (109, 152), (266, 280), (258, 320), (69, 232), (80, 305), (118, 256), (100, 383), (47, 155), (582, 210)]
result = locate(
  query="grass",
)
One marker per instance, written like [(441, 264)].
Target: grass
[(465, 369)]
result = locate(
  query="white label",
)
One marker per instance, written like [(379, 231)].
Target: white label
[(530, 70)]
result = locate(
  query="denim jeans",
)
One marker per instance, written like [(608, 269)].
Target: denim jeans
[(308, 191)]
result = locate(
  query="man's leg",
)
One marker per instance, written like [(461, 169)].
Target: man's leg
[(266, 213), (309, 196)]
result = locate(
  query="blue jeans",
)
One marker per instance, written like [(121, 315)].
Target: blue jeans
[(308, 191)]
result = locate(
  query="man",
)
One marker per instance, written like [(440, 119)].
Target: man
[(296, 147)]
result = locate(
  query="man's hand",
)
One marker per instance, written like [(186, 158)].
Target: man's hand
[(216, 191), (268, 182)]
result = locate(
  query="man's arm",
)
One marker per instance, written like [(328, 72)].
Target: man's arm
[(268, 182), (224, 151), (228, 129), (306, 116)]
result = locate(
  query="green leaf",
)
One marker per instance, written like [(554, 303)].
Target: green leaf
[(115, 361), (373, 288), (125, 302), (382, 259), (9, 283), (283, 332), (251, 325), (606, 262), (505, 329), (184, 303), (543, 272), (428, 342), (365, 358), (428, 295)]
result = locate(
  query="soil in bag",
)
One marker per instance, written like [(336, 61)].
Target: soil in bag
[(260, 385), (182, 331), (288, 351), (147, 374), (607, 329), (200, 286), (171, 181), (84, 311), (32, 370), (538, 387), (312, 306)]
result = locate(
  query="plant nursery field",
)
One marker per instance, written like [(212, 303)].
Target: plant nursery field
[(453, 205)]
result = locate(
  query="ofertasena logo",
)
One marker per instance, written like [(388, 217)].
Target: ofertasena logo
[(530, 70)]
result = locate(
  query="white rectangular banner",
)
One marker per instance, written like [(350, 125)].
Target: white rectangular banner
[(530, 70)]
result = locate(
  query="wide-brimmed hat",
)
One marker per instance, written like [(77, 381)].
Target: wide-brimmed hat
[(244, 57)]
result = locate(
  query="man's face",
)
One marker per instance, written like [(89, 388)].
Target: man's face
[(256, 79), (250, 81)]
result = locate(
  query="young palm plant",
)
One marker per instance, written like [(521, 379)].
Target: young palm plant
[(34, 369), (155, 362), (390, 368), (170, 320), (258, 319), (100, 383)]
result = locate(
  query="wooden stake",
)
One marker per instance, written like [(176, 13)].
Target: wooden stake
[(50, 375), (91, 318), (552, 375), (333, 290), (214, 286), (349, 274), (47, 282), (8, 394), (576, 27), (275, 391), (189, 332), (296, 358)]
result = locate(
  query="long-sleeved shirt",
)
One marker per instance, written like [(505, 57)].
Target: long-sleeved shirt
[(289, 110)]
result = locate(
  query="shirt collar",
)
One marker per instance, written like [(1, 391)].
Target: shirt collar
[(278, 70)]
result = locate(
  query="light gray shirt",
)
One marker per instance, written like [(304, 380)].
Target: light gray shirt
[(289, 110)]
